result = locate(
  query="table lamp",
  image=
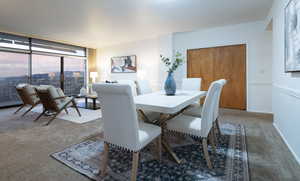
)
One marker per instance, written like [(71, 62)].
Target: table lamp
[(93, 76)]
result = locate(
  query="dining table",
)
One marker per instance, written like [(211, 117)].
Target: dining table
[(168, 107)]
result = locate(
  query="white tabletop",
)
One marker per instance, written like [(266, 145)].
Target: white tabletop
[(160, 102)]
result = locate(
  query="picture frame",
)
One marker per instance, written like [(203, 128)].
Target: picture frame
[(124, 64), (292, 36)]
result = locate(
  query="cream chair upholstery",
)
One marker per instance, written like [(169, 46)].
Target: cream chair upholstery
[(54, 100), (196, 109), (196, 126), (28, 96), (132, 85), (143, 87), (191, 84), (121, 126), (217, 107)]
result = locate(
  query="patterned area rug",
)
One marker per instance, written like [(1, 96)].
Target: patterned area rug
[(87, 115), (229, 161)]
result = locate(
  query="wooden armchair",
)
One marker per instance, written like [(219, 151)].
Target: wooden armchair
[(54, 100), (28, 96)]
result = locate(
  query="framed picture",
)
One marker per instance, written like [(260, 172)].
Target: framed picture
[(292, 36), (123, 64)]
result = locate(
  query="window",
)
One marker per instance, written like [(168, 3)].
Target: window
[(74, 75), (14, 42), (14, 70), (51, 63), (46, 70), (57, 48)]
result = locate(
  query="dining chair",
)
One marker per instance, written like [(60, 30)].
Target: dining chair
[(196, 109), (28, 96), (54, 100), (131, 83), (143, 87), (191, 84), (196, 126), (121, 125)]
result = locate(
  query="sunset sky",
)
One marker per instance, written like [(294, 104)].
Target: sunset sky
[(16, 64)]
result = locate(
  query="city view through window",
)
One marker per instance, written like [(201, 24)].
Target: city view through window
[(46, 70), (14, 70)]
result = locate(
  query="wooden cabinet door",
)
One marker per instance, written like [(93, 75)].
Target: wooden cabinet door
[(228, 62)]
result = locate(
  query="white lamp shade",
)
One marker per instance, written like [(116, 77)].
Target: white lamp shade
[(93, 74)]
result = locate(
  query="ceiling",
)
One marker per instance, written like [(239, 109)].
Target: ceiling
[(99, 23)]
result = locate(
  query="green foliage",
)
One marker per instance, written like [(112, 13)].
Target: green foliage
[(172, 65)]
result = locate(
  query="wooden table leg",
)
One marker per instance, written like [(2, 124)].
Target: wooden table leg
[(144, 116), (162, 122), (170, 151)]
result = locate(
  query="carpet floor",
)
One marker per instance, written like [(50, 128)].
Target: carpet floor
[(26, 146)]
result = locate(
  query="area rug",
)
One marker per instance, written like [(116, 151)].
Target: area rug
[(87, 115), (229, 161)]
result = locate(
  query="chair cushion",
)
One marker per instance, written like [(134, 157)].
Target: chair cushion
[(64, 101), (31, 93), (60, 92), (194, 110), (185, 124), (146, 133), (21, 86)]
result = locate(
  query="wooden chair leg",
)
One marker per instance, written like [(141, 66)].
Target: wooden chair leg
[(74, 104), (218, 126), (105, 159), (19, 109), (28, 111), (212, 139), (158, 144), (66, 110), (206, 155), (215, 133), (135, 164), (53, 117), (40, 116)]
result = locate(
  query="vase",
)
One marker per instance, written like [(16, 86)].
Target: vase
[(170, 85)]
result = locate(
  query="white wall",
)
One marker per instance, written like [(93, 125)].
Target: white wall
[(149, 65), (286, 86), (259, 51), (148, 61)]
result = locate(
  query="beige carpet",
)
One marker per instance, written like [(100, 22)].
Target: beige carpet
[(87, 115)]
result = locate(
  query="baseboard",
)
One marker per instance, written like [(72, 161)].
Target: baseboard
[(256, 111), (288, 145)]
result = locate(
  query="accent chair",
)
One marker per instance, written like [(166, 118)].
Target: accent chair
[(28, 96), (54, 100)]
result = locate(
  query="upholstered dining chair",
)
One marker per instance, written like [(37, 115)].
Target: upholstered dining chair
[(143, 87), (121, 125), (191, 84), (196, 126), (54, 100), (131, 83), (196, 109), (28, 96)]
